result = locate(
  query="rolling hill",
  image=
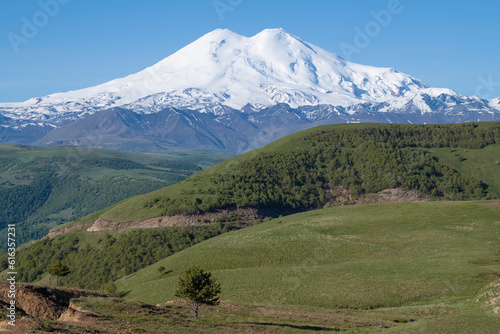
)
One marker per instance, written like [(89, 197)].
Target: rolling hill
[(364, 256), (427, 267), (331, 165), (401, 258), (433, 263)]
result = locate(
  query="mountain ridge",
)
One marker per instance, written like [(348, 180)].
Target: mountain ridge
[(228, 76)]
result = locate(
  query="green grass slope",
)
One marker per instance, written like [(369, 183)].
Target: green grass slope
[(99, 258), (481, 163), (365, 256)]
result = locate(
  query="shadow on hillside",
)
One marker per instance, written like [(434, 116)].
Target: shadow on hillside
[(124, 294), (165, 273), (277, 212), (304, 327)]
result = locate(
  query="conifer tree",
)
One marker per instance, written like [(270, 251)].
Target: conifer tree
[(30, 265), (198, 287), (58, 269)]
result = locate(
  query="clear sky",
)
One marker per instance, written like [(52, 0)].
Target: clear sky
[(47, 48)]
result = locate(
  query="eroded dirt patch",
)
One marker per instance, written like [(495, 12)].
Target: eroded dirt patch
[(64, 230), (491, 297), (45, 302), (243, 214)]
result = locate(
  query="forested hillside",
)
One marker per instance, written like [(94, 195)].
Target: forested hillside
[(96, 260), (330, 159), (41, 188)]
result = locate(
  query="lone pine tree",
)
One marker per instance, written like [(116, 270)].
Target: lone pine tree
[(198, 287), (58, 269)]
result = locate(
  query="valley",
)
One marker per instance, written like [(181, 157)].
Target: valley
[(41, 188)]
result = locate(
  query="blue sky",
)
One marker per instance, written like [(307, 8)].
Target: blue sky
[(80, 43)]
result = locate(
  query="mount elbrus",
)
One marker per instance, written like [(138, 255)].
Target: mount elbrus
[(234, 93)]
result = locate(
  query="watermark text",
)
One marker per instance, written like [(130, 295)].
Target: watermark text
[(32, 26), (223, 6), (11, 274)]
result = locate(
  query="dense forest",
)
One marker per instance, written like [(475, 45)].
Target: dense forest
[(362, 160)]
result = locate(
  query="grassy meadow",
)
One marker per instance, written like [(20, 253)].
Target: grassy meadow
[(414, 267), (426, 261), (365, 256)]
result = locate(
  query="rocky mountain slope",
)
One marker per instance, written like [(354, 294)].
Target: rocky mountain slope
[(235, 93)]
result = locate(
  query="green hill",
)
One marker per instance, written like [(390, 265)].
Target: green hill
[(43, 187), (483, 164), (434, 256), (334, 164), (425, 267), (365, 256), (411, 259)]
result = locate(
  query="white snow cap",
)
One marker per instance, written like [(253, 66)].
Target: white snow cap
[(269, 68)]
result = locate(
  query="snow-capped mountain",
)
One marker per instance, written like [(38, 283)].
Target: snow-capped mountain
[(226, 76)]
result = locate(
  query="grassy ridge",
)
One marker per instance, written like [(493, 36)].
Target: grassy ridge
[(363, 256)]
